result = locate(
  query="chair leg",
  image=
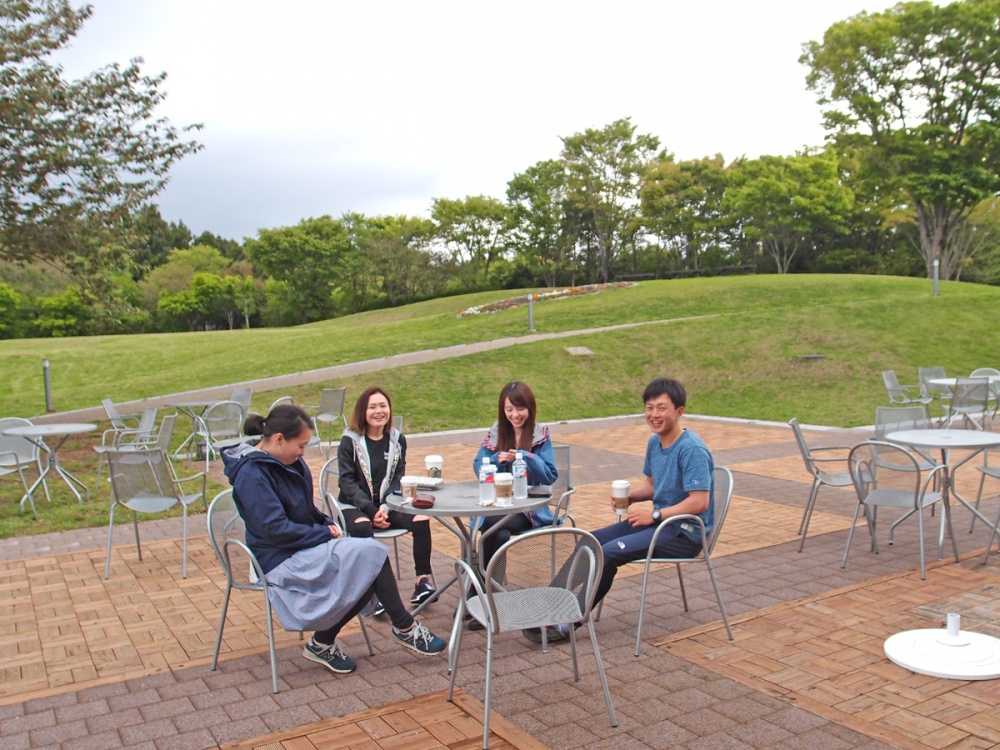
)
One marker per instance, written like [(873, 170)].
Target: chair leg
[(270, 643), (184, 545), (718, 597), (979, 496), (642, 606), (684, 598), (850, 535), (222, 625), (111, 531), (395, 548), (807, 514), (600, 671), (989, 544), (920, 536), (364, 632), (489, 685), (135, 526)]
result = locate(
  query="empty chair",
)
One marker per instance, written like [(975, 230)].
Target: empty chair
[(143, 481), (142, 435), (819, 468), (281, 401), (221, 426), (890, 419), (885, 474), (242, 397), (941, 394), (904, 395), (989, 372), (329, 411), (971, 399), (16, 454), (541, 578), (993, 472), (227, 533)]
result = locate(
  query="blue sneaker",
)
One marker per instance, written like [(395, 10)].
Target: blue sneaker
[(423, 591), (330, 657), (420, 639)]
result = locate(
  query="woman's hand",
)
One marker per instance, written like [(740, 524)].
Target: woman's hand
[(334, 531), (505, 457), (381, 519)]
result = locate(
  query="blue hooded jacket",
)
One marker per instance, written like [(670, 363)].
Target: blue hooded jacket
[(275, 501)]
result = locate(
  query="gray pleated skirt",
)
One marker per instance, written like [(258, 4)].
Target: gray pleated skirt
[(315, 588)]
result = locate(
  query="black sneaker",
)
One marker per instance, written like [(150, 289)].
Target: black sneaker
[(423, 591), (330, 657), (420, 639), (379, 608)]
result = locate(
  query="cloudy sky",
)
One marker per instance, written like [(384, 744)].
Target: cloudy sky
[(315, 107)]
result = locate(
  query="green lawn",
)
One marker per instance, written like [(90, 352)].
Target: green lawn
[(733, 341)]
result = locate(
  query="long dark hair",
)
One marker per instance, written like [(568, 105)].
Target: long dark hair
[(520, 395), (358, 422), (287, 420)]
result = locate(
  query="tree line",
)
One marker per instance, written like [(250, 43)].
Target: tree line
[(906, 184)]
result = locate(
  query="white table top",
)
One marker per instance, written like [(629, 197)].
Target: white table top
[(944, 438), (462, 499), (952, 382), (47, 430)]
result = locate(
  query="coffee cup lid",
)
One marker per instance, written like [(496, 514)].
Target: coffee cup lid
[(408, 480), (504, 475)]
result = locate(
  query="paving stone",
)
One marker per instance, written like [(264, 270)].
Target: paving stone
[(196, 740), (58, 733)]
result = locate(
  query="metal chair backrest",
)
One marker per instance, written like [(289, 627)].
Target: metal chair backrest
[(892, 384), (224, 419), (803, 447), (562, 488), (242, 396), (984, 372), (397, 422), (115, 417), (331, 404), (894, 418), (970, 393), (166, 432), (143, 481), (879, 465), (722, 496), (545, 559), (24, 451), (927, 374), (227, 533), (282, 401), (147, 424)]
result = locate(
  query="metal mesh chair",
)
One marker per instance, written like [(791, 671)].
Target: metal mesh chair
[(971, 397), (941, 394), (330, 409), (143, 481), (242, 397), (722, 482), (220, 426), (143, 435), (886, 474), (17, 453), (543, 577), (281, 401), (227, 533), (821, 476), (329, 476), (904, 395)]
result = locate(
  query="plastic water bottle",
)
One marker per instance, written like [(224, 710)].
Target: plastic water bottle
[(487, 472), (520, 471)]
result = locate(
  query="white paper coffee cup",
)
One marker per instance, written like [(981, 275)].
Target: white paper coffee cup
[(408, 486), (434, 464), (619, 491)]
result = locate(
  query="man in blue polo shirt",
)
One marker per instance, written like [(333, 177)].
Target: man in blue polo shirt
[(677, 479)]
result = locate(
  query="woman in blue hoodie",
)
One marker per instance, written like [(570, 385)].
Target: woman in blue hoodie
[(317, 580)]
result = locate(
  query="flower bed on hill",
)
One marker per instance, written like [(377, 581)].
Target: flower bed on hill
[(573, 291)]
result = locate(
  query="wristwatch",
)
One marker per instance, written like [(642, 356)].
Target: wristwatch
[(656, 515)]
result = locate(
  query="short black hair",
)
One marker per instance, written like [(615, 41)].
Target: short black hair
[(671, 387)]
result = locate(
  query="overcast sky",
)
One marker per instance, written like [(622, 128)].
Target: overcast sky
[(313, 107)]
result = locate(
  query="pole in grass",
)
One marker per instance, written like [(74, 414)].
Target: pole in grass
[(937, 264), (531, 313), (48, 387)]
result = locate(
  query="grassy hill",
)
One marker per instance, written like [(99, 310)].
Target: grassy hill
[(734, 341)]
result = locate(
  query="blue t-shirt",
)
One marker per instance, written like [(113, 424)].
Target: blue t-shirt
[(686, 466)]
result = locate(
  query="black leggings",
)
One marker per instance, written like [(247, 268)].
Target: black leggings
[(519, 524), (384, 587), (421, 531)]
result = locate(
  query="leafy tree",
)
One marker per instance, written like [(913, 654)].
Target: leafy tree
[(66, 314), (682, 206), (473, 230), (787, 201), (154, 238), (306, 258), (917, 89), (175, 276), (398, 248), (77, 157), (538, 199), (606, 168), (231, 249), (10, 311)]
